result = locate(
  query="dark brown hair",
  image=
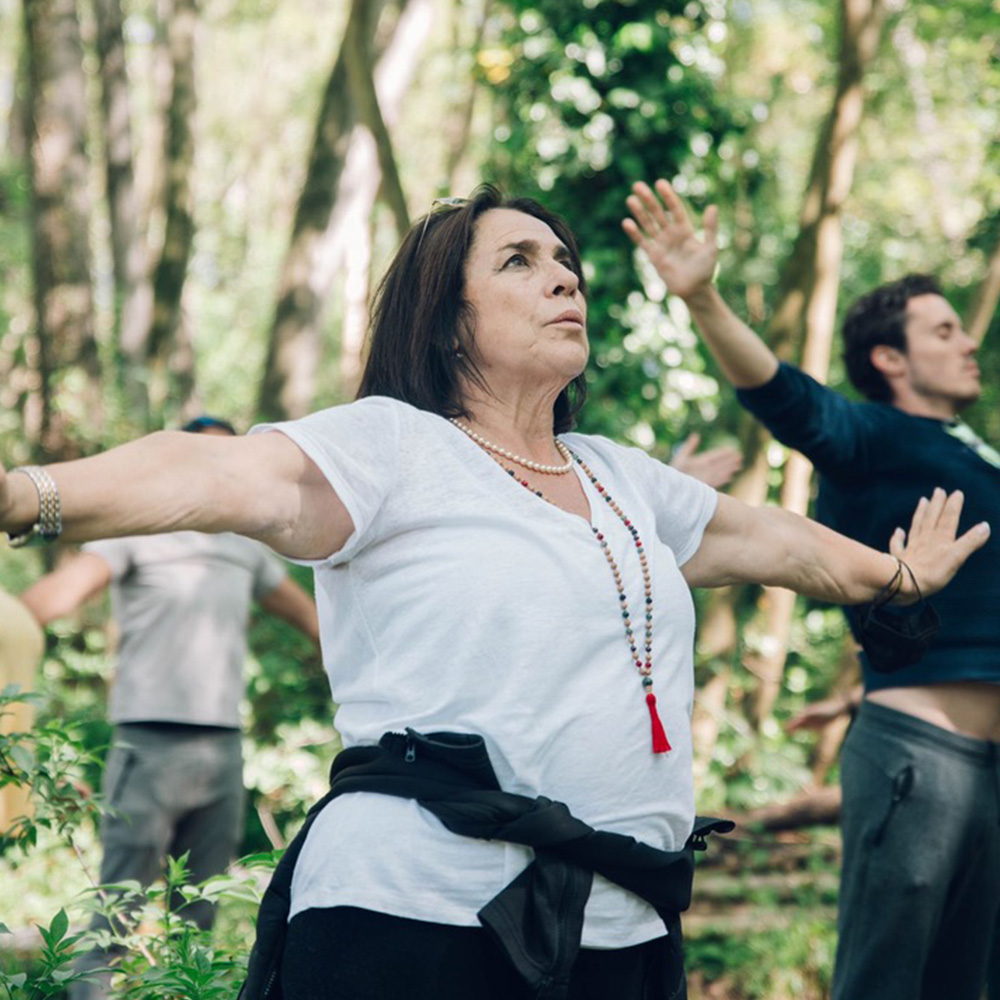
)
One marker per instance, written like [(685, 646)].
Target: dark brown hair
[(880, 318), (421, 340)]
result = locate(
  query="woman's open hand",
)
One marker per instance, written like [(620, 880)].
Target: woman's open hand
[(931, 549), (660, 226)]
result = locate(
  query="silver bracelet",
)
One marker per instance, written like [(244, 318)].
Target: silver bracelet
[(48, 527)]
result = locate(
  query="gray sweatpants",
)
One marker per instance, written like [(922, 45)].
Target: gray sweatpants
[(920, 885), (171, 789)]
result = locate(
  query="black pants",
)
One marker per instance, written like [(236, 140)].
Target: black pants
[(346, 953), (920, 884)]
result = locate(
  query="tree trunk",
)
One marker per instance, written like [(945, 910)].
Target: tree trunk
[(59, 175), (17, 122), (133, 291), (827, 749), (350, 230), (287, 386), (357, 286), (984, 303), (808, 290), (359, 59), (150, 162), (458, 126), (171, 269), (337, 197), (913, 58), (809, 808), (718, 633)]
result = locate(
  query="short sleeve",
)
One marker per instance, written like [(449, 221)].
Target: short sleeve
[(116, 552), (356, 447), (683, 506)]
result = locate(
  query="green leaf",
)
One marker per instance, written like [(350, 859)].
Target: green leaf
[(22, 757), (59, 926)]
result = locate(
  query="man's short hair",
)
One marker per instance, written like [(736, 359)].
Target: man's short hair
[(880, 318), (207, 423)]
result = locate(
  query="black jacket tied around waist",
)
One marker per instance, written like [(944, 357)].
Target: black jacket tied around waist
[(537, 920)]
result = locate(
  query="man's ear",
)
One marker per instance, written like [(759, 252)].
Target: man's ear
[(890, 361)]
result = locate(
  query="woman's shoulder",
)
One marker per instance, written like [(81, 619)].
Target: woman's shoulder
[(611, 452), (635, 464), (398, 409), (379, 417)]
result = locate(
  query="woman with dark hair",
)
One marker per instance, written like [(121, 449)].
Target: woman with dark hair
[(507, 622)]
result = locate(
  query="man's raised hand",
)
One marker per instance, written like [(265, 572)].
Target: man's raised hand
[(660, 226)]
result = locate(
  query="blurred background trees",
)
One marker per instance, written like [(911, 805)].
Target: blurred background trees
[(197, 197)]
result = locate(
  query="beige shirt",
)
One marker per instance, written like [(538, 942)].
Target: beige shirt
[(21, 645)]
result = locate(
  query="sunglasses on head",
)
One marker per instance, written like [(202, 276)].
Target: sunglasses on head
[(439, 205)]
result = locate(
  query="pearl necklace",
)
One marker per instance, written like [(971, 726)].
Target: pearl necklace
[(548, 470), (643, 662)]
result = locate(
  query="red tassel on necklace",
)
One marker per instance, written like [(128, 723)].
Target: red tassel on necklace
[(660, 742)]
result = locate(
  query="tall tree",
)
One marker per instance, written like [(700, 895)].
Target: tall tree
[(458, 123), (293, 346), (807, 302), (133, 291), (984, 303), (58, 170), (351, 229), (169, 338), (360, 60)]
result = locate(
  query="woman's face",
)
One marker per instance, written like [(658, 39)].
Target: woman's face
[(530, 315)]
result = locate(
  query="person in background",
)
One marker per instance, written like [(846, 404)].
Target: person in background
[(507, 624), (173, 782), (920, 769), (21, 646)]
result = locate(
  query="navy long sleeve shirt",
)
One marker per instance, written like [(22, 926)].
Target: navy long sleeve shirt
[(875, 462)]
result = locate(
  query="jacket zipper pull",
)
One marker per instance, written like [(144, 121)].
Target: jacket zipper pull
[(411, 751)]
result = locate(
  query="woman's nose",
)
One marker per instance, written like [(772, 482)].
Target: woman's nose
[(565, 280)]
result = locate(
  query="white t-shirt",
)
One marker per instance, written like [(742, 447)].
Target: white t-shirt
[(463, 602)]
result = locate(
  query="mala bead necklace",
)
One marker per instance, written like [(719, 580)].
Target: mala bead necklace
[(643, 662), (548, 470)]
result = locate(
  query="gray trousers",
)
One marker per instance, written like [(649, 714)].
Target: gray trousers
[(920, 884), (171, 789)]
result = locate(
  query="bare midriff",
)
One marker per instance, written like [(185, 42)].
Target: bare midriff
[(968, 707)]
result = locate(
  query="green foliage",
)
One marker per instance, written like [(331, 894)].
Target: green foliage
[(165, 955), (791, 961), (578, 99), (51, 973), (49, 760), (592, 97)]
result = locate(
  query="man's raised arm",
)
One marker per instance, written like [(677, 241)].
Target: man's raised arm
[(660, 226)]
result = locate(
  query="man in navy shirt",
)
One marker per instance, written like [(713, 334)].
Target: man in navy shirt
[(920, 885)]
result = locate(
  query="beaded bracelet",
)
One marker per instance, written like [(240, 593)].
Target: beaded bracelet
[(48, 527)]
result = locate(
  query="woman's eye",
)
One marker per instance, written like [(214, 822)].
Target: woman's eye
[(516, 258)]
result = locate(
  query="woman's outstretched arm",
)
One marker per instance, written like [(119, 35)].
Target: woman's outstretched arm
[(774, 547), (262, 486)]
